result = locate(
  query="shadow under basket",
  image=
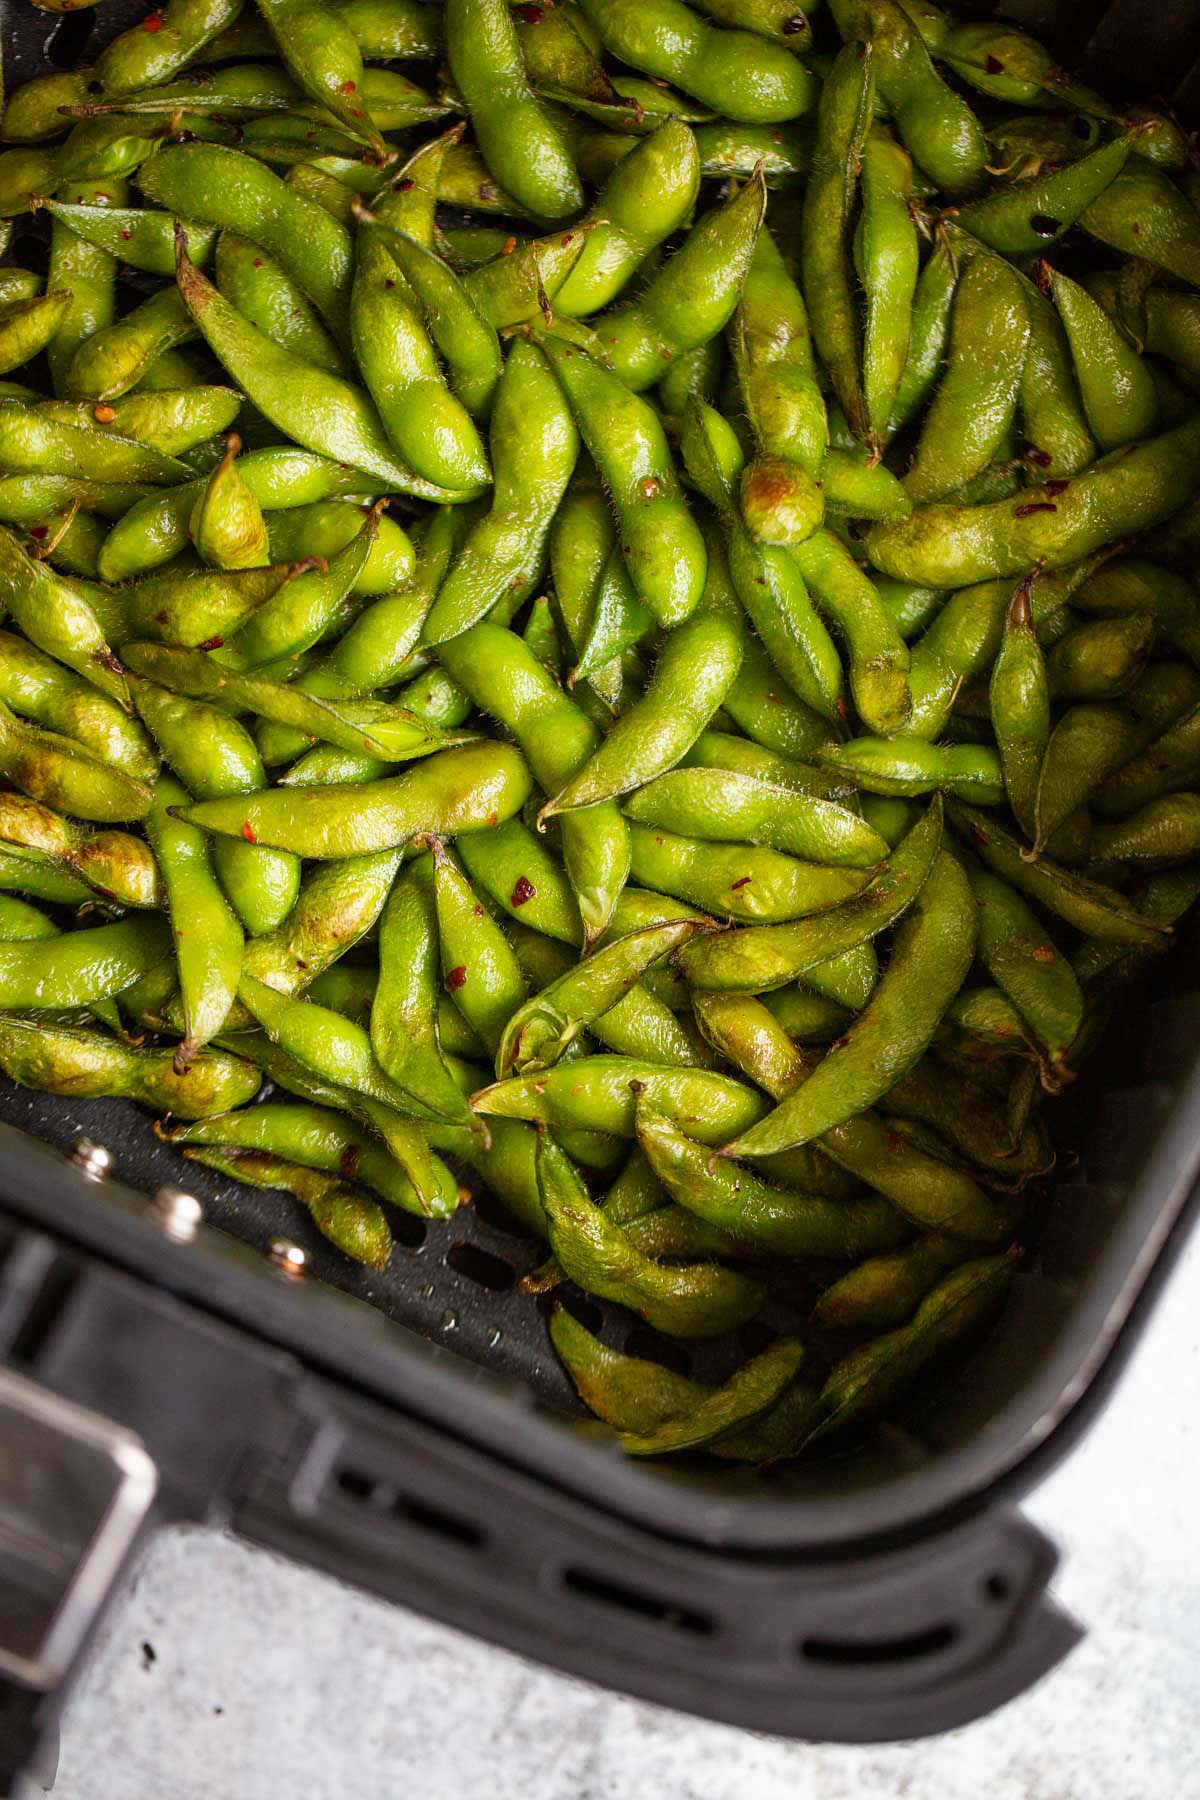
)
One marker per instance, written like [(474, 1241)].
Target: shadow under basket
[(413, 1432)]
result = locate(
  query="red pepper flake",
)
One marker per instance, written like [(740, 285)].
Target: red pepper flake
[(389, 284), (126, 234), (1034, 506), (39, 532), (493, 818), (509, 245), (994, 66), (348, 87), (1041, 459), (742, 881), (160, 618), (104, 415), (479, 912), (529, 15), (258, 262), (979, 838), (348, 1162), (1045, 225), (457, 977), (248, 832), (1054, 488), (795, 24), (213, 643), (650, 487), (153, 22), (568, 238), (523, 891), (402, 187)]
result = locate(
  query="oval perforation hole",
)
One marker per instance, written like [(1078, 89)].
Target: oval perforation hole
[(866, 1652), (642, 1604), (493, 1212), (481, 1267), (407, 1229)]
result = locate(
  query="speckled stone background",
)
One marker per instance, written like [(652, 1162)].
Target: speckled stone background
[(229, 1673)]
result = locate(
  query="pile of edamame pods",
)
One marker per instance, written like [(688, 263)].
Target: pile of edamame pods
[(598, 594)]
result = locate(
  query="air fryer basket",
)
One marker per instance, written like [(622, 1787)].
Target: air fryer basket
[(428, 1445)]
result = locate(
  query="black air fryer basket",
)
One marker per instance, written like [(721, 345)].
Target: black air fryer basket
[(413, 1432)]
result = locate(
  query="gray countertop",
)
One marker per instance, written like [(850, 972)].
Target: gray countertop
[(228, 1672)]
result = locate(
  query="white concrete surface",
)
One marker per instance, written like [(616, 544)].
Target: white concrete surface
[(271, 1683)]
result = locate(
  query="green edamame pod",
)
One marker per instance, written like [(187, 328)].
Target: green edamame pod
[(467, 789), (932, 954), (1142, 213), (1019, 702), (1129, 490), (351, 1222), (207, 937), (514, 868), (974, 403), (738, 881), (771, 956), (738, 73), (521, 144), (1097, 911), (1164, 831), (684, 1300), (305, 610), (885, 1291), (649, 195), (534, 447), (593, 1092), (1118, 392), (772, 353), (868, 1380), (61, 774), (389, 732), (80, 967), (1025, 965), (886, 258), (317, 1138), (691, 297), (765, 577), (116, 865), (38, 688), (726, 806), (319, 410), (429, 425), (56, 618), (539, 1033), (114, 358), (1027, 217), (321, 52), (467, 341), (935, 124), (843, 120), (479, 969), (227, 524), (505, 679), (1056, 431), (258, 287), (58, 1059), (139, 58), (772, 1219), (214, 755), (695, 668), (879, 658), (660, 542), (1100, 658), (404, 1012)]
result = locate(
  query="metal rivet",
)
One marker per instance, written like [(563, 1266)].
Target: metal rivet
[(288, 1258), (92, 1159), (178, 1214)]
